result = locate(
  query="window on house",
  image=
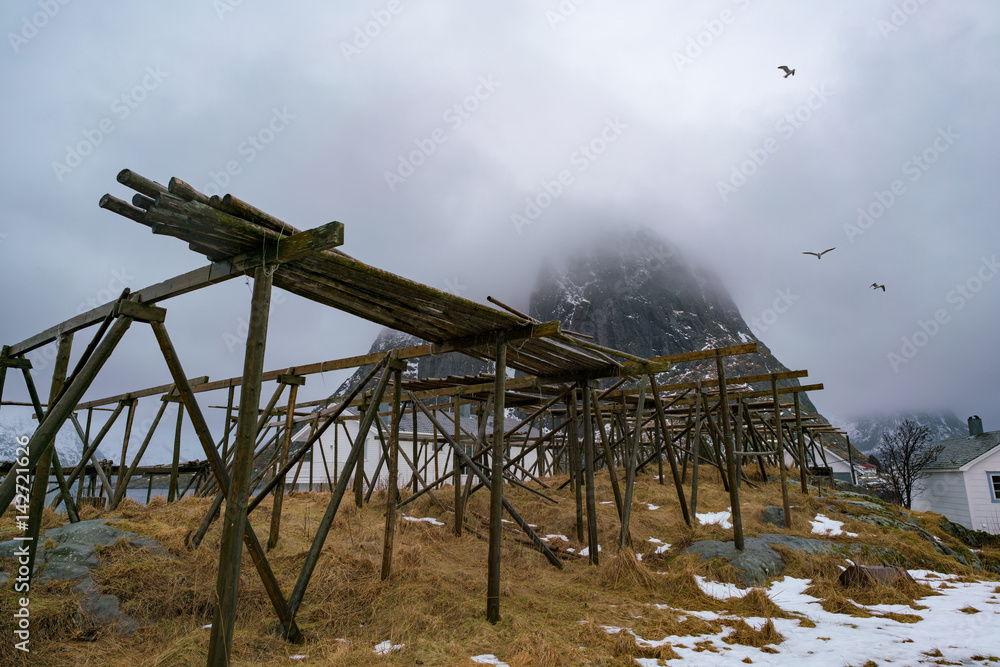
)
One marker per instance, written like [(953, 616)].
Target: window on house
[(994, 478)]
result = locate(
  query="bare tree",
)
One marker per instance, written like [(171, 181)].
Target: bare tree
[(904, 455)]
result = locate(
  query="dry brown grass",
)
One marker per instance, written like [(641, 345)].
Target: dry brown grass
[(434, 601)]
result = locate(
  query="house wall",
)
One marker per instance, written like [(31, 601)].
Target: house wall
[(985, 512), (945, 493)]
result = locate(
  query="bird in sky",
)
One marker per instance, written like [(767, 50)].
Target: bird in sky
[(788, 72), (877, 286), (819, 255)]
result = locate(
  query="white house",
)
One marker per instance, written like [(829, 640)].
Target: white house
[(964, 482)]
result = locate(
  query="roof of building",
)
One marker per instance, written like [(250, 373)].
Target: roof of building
[(964, 449)]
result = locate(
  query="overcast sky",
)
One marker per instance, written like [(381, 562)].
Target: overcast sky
[(433, 129)]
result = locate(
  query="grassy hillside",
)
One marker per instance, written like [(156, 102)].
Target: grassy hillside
[(434, 602)]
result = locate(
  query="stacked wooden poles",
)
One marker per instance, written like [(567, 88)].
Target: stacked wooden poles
[(294, 381), (734, 493), (496, 479), (392, 493), (41, 480), (221, 642), (781, 452)]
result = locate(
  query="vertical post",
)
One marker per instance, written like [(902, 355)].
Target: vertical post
[(669, 445), (625, 538), (802, 444), (573, 443), (459, 518), (588, 465), (727, 436), (122, 468), (359, 469), (175, 461), (221, 642), (496, 479), (781, 451), (286, 442), (229, 423), (336, 457), (392, 491), (850, 459), (416, 451), (41, 481)]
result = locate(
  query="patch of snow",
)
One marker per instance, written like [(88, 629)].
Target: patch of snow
[(824, 525), (428, 519), (554, 537), (387, 647), (298, 656), (652, 507), (720, 518), (488, 659), (586, 550)]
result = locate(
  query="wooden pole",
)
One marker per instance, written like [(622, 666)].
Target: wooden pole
[(608, 458), (459, 518), (40, 485), (219, 471), (574, 463), (138, 457), (802, 444), (625, 538), (588, 465), (286, 442), (496, 479), (734, 492), (227, 586), (229, 423), (122, 467), (392, 490), (175, 461), (323, 529), (671, 458), (781, 452)]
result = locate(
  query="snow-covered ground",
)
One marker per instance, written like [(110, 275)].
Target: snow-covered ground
[(721, 518), (824, 525), (962, 637)]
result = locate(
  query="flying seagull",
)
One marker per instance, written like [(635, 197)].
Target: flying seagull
[(877, 286), (788, 72), (819, 255)]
